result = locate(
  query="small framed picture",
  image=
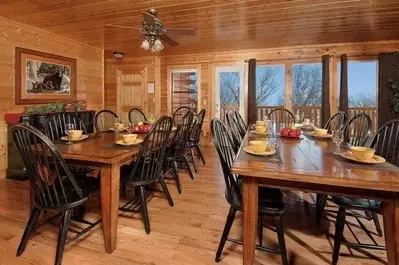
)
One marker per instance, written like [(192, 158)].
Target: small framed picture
[(151, 88)]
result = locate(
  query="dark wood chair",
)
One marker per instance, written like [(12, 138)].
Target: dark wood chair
[(195, 137), (55, 125), (357, 130), (179, 114), (241, 123), (386, 144), (281, 117), (176, 153), (337, 121), (53, 186), (136, 115), (270, 200), (104, 120), (148, 168), (234, 130)]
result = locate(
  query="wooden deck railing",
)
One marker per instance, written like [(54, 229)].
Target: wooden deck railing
[(304, 112)]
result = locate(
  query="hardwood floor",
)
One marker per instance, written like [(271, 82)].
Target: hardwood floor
[(187, 233)]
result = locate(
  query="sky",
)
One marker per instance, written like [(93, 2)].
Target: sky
[(362, 78)]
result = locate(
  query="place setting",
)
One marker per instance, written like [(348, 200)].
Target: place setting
[(72, 134), (260, 128)]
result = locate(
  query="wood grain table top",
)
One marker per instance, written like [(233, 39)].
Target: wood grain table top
[(98, 148), (311, 161)]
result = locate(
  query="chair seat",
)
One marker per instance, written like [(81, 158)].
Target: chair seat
[(358, 203)]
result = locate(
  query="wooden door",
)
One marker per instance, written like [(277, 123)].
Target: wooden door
[(130, 93)]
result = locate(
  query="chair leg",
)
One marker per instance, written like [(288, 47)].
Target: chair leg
[(321, 200), (281, 239), (200, 153), (260, 229), (62, 235), (30, 226), (377, 224), (177, 177), (187, 164), (226, 231), (339, 231), (193, 158), (166, 191), (144, 210)]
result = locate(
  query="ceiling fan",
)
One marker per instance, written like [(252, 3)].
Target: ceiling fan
[(153, 32)]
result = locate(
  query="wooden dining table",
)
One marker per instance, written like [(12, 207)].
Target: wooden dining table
[(310, 165), (100, 150)]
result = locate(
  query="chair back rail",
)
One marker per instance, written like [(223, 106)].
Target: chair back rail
[(337, 121), (386, 141), (181, 137), (104, 120), (197, 127), (149, 164), (225, 148), (179, 114), (53, 184), (282, 116), (234, 130), (241, 123), (136, 115), (55, 125), (357, 130)]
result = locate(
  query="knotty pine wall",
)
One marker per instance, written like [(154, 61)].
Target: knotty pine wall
[(206, 63), (90, 70)]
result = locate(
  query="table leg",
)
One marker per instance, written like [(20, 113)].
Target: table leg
[(110, 204), (391, 230), (250, 213)]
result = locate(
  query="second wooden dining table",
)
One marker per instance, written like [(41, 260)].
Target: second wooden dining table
[(100, 150), (310, 165)]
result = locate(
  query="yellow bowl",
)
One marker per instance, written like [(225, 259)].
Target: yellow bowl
[(362, 153), (319, 131), (75, 134), (260, 128), (258, 146), (260, 123), (129, 138)]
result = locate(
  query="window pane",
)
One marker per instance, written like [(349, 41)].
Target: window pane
[(270, 84), (230, 88), (306, 92), (184, 89)]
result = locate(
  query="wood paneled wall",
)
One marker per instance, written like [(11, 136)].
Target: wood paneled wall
[(132, 65), (89, 62), (90, 69), (206, 63)]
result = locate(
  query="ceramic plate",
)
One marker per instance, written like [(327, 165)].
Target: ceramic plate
[(66, 138), (325, 136), (258, 133), (248, 150), (375, 160), (121, 142)]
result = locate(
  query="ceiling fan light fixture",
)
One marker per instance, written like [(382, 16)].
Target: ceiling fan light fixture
[(145, 45), (158, 46)]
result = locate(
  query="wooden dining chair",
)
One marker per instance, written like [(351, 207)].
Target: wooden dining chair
[(179, 114), (270, 200), (52, 184), (148, 167), (195, 137), (234, 130), (54, 126), (137, 115), (386, 144), (281, 116), (357, 130), (337, 121), (176, 154), (241, 123), (104, 120)]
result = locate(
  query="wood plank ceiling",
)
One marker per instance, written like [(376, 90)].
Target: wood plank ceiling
[(220, 25)]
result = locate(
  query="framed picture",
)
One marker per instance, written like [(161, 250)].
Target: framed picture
[(42, 77), (151, 88)]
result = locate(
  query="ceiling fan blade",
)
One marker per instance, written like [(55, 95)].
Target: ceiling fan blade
[(150, 19), (120, 26), (180, 31), (169, 40)]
